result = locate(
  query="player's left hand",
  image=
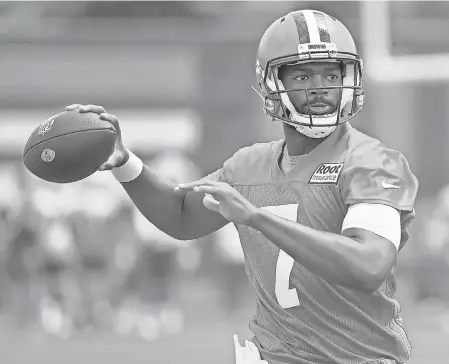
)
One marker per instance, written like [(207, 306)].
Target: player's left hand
[(222, 198)]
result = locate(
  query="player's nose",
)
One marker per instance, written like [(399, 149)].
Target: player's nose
[(317, 86), (319, 91)]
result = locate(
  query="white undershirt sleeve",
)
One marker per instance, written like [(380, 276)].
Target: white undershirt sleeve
[(380, 219)]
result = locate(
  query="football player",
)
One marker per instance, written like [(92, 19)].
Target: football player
[(321, 214)]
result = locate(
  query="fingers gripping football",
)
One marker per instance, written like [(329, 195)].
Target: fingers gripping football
[(86, 108), (120, 154)]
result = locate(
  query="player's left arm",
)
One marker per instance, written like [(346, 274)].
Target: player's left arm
[(358, 258)]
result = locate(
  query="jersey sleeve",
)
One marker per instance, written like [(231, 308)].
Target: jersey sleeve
[(378, 175), (230, 169), (215, 176)]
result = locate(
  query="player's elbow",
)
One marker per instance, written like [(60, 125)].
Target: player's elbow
[(371, 283), (362, 280), (374, 276), (376, 258)]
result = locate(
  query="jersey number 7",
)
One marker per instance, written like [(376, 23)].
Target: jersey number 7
[(286, 297)]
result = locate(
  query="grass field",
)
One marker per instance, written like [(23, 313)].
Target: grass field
[(207, 339)]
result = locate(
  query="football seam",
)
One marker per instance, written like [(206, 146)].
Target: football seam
[(71, 133)]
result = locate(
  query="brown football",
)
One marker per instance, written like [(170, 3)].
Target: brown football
[(69, 146)]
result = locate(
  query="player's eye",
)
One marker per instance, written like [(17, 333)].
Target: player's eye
[(332, 77), (302, 78)]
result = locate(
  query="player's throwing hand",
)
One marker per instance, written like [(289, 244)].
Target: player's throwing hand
[(222, 198), (120, 155)]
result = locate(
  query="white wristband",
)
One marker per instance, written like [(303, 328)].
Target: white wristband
[(130, 170)]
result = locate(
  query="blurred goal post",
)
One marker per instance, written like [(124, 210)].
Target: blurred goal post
[(382, 67)]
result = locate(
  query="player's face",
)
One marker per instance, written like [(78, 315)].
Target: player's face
[(313, 75)]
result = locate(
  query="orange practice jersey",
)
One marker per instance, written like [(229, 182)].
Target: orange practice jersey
[(300, 317)]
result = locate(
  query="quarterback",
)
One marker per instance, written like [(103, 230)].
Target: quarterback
[(321, 214)]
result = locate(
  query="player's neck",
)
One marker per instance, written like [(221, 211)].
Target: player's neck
[(297, 143)]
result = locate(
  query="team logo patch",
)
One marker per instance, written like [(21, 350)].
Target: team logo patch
[(47, 125), (326, 173)]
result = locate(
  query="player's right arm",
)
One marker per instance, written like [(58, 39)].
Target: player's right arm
[(179, 214)]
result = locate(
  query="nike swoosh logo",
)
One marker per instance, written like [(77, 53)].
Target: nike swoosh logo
[(387, 185)]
